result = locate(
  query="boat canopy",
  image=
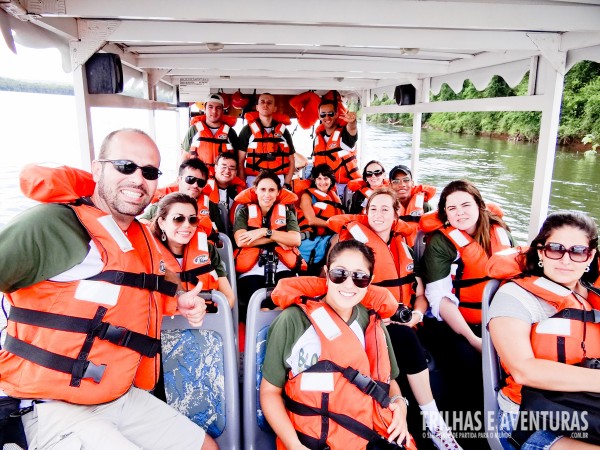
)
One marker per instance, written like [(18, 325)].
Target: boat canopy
[(176, 49)]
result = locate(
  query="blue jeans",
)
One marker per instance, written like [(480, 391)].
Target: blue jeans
[(539, 440)]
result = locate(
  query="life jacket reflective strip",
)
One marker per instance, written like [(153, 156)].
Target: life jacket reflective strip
[(468, 272), (411, 214), (324, 205), (207, 145), (267, 151), (397, 254), (341, 346), (568, 336), (247, 257), (105, 369), (336, 154)]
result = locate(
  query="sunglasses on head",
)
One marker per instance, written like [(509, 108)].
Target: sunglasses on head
[(360, 279), (376, 173), (577, 253), (180, 219), (127, 167), (327, 114), (201, 182)]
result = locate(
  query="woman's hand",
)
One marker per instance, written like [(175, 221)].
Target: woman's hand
[(398, 429), (250, 236), (192, 307)]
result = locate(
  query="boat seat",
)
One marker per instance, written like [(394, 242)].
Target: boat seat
[(492, 375), (225, 251), (200, 367), (419, 247), (347, 198), (257, 432)]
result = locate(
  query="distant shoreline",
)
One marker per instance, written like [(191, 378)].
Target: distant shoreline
[(36, 87)]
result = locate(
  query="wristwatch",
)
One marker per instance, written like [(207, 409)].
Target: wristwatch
[(269, 233), (420, 315)]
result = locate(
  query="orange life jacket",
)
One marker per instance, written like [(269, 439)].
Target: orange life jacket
[(88, 341), (324, 204), (336, 154), (570, 335), (360, 185), (247, 257), (411, 214), (306, 106), (196, 264), (397, 255), (267, 150), (468, 273), (345, 365), (206, 145)]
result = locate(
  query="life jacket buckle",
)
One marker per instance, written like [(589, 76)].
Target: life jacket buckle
[(115, 335), (364, 383), (94, 371)]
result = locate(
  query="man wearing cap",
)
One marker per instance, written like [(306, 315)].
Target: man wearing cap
[(266, 143), (335, 144), (210, 134), (413, 198)]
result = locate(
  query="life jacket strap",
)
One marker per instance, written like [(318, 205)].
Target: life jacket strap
[(212, 140), (409, 218), (94, 328), (468, 282), (149, 281), (407, 279), (191, 276), (79, 369)]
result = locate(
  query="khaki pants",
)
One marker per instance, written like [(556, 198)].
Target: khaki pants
[(134, 421)]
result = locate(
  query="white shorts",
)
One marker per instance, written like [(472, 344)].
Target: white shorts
[(134, 421)]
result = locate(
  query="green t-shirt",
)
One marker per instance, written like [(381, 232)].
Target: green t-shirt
[(288, 328), (39, 244), (241, 219)]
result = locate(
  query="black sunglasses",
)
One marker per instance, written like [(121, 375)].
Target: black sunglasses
[(577, 253), (127, 167), (201, 182), (327, 114), (376, 173), (360, 279), (179, 219)]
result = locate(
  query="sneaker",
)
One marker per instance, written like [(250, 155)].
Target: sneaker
[(443, 439)]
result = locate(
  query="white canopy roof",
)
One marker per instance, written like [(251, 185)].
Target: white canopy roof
[(287, 47)]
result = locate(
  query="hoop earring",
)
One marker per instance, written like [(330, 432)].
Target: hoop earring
[(587, 269), (163, 236), (540, 262)]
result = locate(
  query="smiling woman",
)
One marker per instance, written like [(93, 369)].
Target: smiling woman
[(267, 234)]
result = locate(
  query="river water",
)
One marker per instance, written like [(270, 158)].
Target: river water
[(42, 128)]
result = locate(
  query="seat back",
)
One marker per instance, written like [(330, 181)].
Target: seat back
[(224, 213), (226, 254), (347, 198), (201, 371), (492, 375), (257, 432), (419, 247)]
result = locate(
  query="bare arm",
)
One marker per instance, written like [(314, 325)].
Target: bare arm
[(226, 290), (276, 414), (452, 316), (511, 338), (292, 168), (241, 163), (309, 213), (255, 238), (398, 429)]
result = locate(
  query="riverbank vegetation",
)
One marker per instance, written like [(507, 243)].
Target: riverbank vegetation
[(580, 114)]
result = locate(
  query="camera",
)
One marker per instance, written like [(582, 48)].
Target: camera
[(591, 363), (269, 261), (403, 314)]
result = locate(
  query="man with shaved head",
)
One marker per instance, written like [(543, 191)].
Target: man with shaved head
[(87, 290)]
